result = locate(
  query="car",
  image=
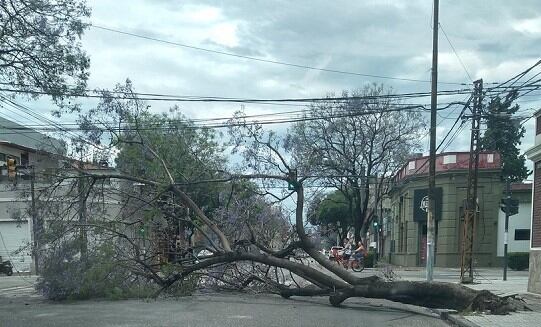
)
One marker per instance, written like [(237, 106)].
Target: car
[(339, 250)]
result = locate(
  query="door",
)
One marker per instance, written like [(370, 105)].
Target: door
[(15, 244), (422, 245)]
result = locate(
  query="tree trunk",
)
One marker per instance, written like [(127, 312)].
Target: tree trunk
[(357, 215), (430, 295)]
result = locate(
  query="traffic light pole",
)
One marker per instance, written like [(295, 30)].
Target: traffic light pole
[(505, 235)]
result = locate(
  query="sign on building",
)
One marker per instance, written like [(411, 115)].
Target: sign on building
[(420, 204)]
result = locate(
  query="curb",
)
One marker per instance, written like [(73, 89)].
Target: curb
[(456, 319)]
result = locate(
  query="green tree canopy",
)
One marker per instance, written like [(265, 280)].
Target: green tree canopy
[(504, 134), (332, 211), (40, 48)]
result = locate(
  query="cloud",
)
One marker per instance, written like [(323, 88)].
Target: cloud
[(392, 38), (530, 26)]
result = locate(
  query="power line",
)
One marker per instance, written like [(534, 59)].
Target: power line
[(456, 53), (243, 123), (190, 98), (269, 61)]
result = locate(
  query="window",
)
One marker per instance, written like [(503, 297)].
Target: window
[(538, 126), (24, 159), (449, 159), (522, 234), (490, 158), (411, 165)]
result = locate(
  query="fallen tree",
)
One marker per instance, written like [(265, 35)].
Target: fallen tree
[(255, 253)]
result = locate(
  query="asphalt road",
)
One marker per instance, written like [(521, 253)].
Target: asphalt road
[(20, 306)]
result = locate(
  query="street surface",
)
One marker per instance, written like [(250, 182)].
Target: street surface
[(20, 306)]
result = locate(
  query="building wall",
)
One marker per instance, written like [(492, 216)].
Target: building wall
[(520, 221), (534, 154), (534, 279), (407, 233), (536, 217)]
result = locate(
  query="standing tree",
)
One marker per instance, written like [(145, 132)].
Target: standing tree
[(354, 144), (40, 49), (503, 134), (333, 212)]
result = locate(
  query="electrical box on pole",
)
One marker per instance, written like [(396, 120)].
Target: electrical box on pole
[(470, 210)]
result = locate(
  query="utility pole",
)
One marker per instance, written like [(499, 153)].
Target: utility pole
[(36, 225), (506, 235), (470, 210), (430, 219), (82, 210)]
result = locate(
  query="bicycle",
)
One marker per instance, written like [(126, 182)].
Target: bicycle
[(356, 263)]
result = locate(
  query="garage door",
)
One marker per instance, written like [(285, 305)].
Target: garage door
[(14, 244)]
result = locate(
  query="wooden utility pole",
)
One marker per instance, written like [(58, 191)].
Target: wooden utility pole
[(430, 219), (36, 224), (470, 207)]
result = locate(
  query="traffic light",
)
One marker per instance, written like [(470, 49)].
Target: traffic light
[(513, 206), (12, 167), (142, 230)]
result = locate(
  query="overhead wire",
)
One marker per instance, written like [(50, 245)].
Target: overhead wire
[(456, 53), (270, 61)]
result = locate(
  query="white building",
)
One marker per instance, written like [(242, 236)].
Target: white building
[(28, 148), (519, 224), (38, 155)]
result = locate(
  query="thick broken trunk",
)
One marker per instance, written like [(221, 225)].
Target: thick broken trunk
[(430, 295)]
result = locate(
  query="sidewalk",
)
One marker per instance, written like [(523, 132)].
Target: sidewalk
[(489, 279), (514, 319)]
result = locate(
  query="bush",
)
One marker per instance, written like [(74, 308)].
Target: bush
[(65, 276), (519, 260)]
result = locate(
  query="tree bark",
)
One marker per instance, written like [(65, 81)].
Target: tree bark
[(430, 295)]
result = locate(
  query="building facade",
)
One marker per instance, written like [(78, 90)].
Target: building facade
[(519, 224), (37, 158), (406, 228), (534, 154), (28, 148)]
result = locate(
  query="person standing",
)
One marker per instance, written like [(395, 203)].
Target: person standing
[(347, 252)]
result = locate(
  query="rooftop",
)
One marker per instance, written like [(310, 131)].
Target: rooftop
[(448, 161), (17, 135)]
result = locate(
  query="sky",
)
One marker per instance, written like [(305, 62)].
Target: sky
[(493, 39)]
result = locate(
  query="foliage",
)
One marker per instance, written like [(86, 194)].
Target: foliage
[(267, 221), (519, 260), (504, 134), (342, 141), (332, 211), (147, 141), (66, 277), (40, 48)]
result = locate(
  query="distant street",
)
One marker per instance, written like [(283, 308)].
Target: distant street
[(20, 306)]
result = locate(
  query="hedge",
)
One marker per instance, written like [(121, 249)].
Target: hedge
[(519, 260)]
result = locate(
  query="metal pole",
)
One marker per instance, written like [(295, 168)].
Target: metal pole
[(430, 241), (506, 235)]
